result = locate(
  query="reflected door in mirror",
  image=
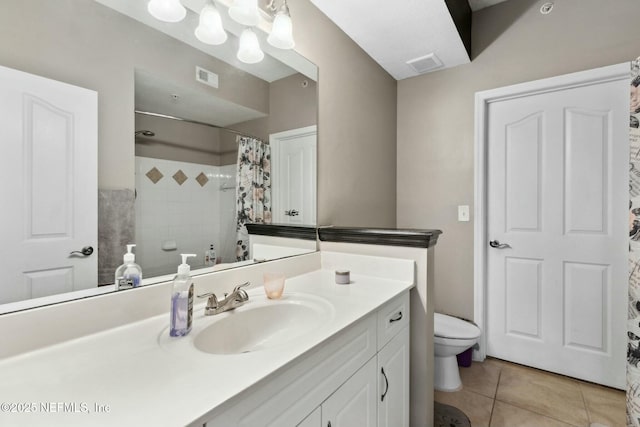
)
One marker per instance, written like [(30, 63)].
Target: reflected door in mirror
[(294, 176), (49, 171)]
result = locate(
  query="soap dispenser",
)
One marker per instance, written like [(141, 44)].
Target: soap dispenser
[(129, 274), (182, 300)]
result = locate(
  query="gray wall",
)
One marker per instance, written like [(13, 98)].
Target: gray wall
[(356, 124), (291, 106), (512, 43)]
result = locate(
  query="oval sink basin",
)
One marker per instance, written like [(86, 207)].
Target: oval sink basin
[(262, 324)]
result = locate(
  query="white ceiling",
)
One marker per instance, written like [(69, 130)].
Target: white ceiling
[(393, 33)]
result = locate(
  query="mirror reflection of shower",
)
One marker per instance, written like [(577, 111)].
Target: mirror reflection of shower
[(186, 193)]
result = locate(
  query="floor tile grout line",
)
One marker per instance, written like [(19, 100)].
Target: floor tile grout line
[(582, 386), (586, 407), (536, 412), (476, 392), (495, 395), (493, 406), (529, 409)]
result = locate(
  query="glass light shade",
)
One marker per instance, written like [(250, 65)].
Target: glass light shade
[(282, 32), (245, 12), (249, 51), (210, 30), (167, 10)]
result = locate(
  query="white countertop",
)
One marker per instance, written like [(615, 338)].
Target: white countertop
[(144, 383)]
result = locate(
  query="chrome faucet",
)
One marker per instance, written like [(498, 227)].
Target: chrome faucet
[(237, 298)]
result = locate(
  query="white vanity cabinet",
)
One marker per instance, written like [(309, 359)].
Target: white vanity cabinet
[(393, 363), (376, 395), (393, 388), (339, 384), (354, 403), (314, 419)]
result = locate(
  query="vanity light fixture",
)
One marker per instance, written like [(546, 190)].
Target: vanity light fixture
[(282, 31), (210, 29), (249, 51), (245, 12), (167, 10)]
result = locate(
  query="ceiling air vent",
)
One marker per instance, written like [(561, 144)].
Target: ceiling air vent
[(426, 63), (206, 77)]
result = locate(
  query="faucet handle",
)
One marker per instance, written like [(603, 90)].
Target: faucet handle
[(212, 301), (208, 294), (243, 285), (241, 293)]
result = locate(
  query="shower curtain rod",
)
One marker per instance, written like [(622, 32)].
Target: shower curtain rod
[(165, 116)]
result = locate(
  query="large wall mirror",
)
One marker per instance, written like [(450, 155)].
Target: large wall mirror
[(131, 130)]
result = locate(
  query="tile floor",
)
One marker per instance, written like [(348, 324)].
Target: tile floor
[(501, 394)]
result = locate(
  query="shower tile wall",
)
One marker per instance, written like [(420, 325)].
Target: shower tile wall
[(227, 250), (175, 203)]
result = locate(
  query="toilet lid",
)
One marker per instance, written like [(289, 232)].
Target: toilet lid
[(451, 327)]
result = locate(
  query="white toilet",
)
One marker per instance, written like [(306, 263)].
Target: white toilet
[(452, 336)]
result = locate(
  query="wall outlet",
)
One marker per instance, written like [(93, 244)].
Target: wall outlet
[(463, 213)]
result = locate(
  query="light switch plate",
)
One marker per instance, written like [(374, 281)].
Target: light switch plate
[(463, 213)]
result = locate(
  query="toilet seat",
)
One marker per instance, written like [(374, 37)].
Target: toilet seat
[(453, 328)]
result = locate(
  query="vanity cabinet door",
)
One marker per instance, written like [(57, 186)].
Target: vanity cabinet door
[(354, 403), (393, 382), (314, 419)]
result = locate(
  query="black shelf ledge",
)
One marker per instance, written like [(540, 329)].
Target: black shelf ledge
[(283, 230), (380, 236)]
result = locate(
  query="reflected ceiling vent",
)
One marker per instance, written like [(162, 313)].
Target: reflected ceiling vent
[(207, 77), (426, 63)]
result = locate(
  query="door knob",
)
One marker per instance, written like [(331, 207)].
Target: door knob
[(496, 244), (86, 251)]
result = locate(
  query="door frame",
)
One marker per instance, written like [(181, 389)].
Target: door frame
[(275, 139), (482, 100)]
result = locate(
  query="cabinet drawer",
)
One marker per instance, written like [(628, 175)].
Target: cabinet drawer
[(392, 318)]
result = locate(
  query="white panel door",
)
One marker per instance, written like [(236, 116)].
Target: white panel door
[(354, 403), (49, 185), (557, 195), (294, 176)]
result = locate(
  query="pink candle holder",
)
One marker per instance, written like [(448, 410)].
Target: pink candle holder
[(273, 284)]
